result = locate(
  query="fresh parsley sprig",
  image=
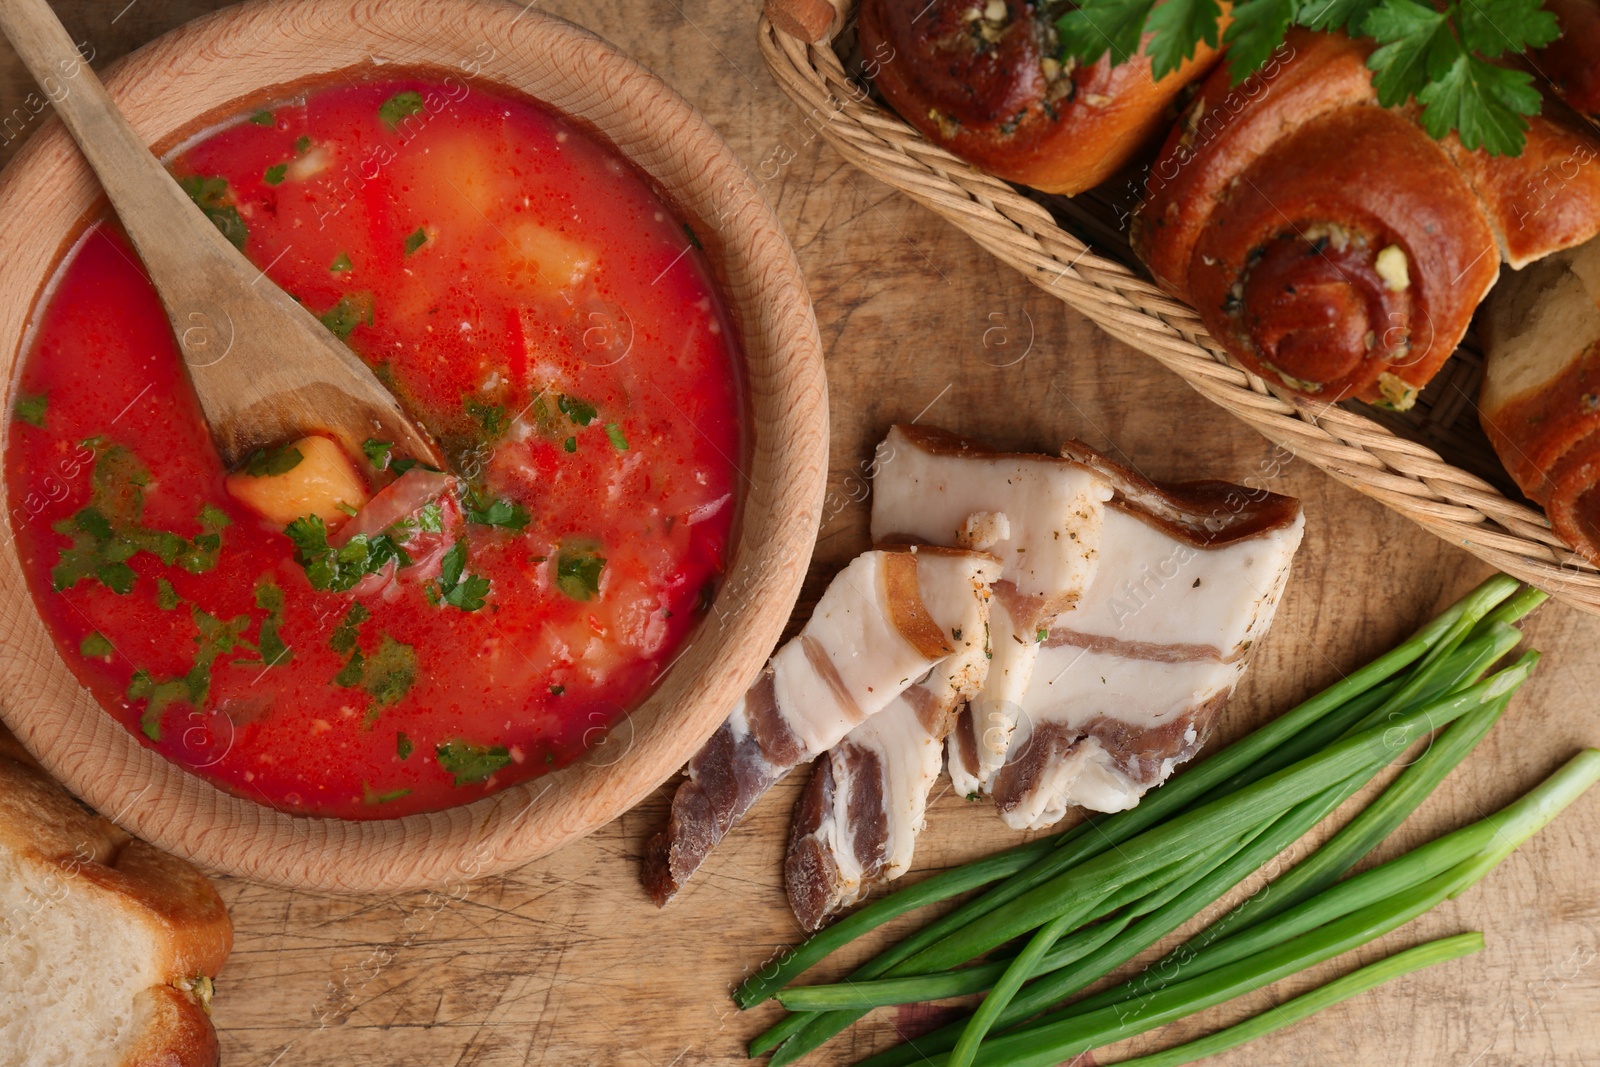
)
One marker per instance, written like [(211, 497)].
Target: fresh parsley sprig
[(1444, 56), (457, 588), (480, 509), (339, 569)]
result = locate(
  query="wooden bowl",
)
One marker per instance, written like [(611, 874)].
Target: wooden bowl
[(258, 51)]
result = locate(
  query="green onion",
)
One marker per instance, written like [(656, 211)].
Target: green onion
[(1065, 1034), (1137, 897), (942, 886), (1284, 735), (1217, 821), (1184, 835), (1379, 819), (1518, 606), (918, 988), (1019, 971), (1378, 690), (1055, 1041), (929, 891), (1213, 948), (1403, 796), (1445, 666), (1308, 1004), (1055, 987)]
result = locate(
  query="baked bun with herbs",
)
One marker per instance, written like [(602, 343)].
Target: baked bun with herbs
[(986, 79), (1333, 245), (1540, 403), (109, 945)]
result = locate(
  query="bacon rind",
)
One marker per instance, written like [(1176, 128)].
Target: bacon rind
[(855, 825), (906, 609), (802, 703), (930, 484), (1206, 514)]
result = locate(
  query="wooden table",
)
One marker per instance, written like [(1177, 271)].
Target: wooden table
[(566, 962)]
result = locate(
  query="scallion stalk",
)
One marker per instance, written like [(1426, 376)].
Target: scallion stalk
[(1062, 1035), (942, 886), (1308, 1004), (1055, 987), (1357, 757), (1055, 1040), (1515, 823), (1280, 735), (1369, 828), (1135, 899), (1017, 972), (1222, 819)]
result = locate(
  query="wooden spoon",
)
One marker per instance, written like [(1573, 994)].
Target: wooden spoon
[(265, 369)]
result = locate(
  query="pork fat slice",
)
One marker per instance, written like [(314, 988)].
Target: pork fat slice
[(855, 825), (1128, 684), (869, 638), (1040, 515)]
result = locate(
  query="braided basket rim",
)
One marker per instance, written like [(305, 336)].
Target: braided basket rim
[(1404, 475)]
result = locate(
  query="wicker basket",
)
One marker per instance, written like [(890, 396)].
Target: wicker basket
[(1466, 499)]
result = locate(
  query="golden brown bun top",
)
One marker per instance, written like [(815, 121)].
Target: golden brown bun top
[(1546, 198), (992, 90), (1229, 127)]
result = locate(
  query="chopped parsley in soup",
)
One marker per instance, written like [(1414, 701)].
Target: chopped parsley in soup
[(361, 636)]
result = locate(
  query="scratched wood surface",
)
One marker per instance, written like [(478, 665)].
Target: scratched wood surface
[(566, 962)]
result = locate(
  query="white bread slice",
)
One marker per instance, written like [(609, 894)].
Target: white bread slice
[(107, 944)]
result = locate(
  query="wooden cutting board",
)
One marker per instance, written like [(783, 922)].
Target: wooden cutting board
[(566, 962)]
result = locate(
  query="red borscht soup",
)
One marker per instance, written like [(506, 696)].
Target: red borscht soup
[(413, 640)]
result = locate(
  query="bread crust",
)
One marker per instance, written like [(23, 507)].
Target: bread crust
[(177, 1032), (1540, 403), (1545, 200), (78, 852), (160, 888), (992, 92)]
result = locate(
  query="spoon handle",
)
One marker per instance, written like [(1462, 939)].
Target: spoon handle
[(171, 237), (264, 369)]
